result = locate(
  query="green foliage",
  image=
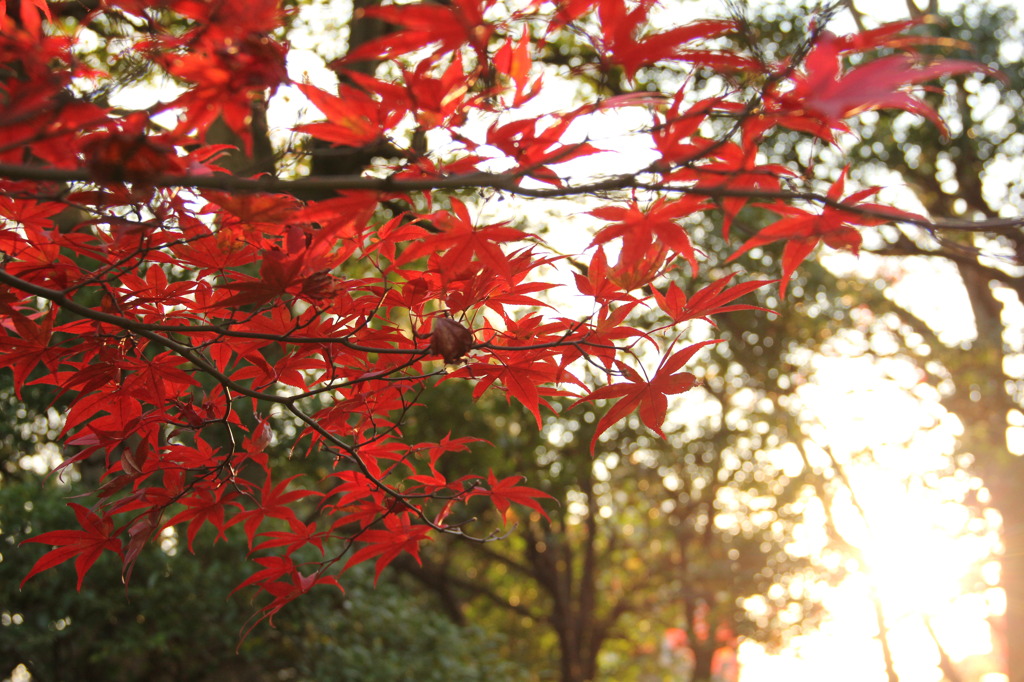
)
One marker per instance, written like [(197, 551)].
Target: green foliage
[(178, 621)]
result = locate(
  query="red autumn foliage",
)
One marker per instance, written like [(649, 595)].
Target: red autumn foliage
[(176, 308)]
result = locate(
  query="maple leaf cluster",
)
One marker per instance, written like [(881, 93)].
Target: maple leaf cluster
[(181, 311)]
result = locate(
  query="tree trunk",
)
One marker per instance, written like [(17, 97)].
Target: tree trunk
[(331, 160), (703, 656), (982, 403), (883, 637), (1008, 498)]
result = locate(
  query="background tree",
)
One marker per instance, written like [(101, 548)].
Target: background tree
[(633, 540)]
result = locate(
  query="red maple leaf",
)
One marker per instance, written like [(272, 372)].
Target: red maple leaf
[(624, 42), (84, 546), (226, 73), (206, 505), (28, 14), (732, 168), (386, 544), (281, 579), (711, 300), (300, 535), (647, 397), (638, 227), (600, 340), (462, 240), (355, 118), (597, 282), (513, 60), (802, 229), (449, 26), (23, 352), (440, 101), (274, 501), (535, 147), (825, 91), (526, 376), (507, 491)]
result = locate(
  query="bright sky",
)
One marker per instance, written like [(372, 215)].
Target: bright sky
[(918, 544)]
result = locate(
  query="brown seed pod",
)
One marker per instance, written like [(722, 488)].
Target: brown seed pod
[(449, 339)]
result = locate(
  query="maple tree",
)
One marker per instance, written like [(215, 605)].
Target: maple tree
[(189, 315)]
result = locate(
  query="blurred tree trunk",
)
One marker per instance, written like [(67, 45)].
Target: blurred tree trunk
[(328, 159)]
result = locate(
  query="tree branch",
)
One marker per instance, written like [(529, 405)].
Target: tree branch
[(502, 182)]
